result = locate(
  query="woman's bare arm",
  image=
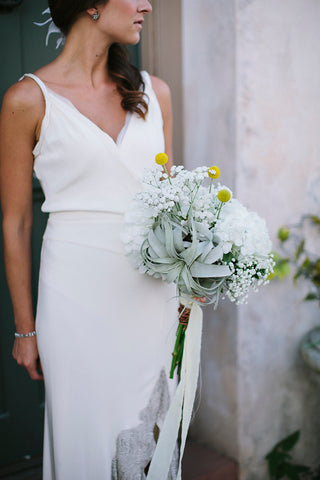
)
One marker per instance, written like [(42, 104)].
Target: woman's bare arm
[(164, 98), (20, 119)]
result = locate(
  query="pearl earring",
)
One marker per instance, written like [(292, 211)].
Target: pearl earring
[(95, 16)]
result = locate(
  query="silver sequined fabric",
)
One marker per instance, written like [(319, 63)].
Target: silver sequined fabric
[(135, 446)]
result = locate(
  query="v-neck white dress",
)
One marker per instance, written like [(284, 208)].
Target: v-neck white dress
[(105, 332)]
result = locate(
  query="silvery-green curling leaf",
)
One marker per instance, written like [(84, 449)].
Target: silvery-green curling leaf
[(187, 279), (152, 254), (204, 270), (169, 242), (216, 239), (156, 245), (203, 230), (214, 255), (190, 254), (174, 273), (203, 249), (165, 260), (159, 233), (177, 239)]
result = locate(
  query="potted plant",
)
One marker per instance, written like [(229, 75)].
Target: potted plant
[(299, 255)]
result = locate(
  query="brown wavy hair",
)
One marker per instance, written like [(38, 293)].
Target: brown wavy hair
[(126, 76)]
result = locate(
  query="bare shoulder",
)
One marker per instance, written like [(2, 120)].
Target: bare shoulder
[(163, 94), (161, 89), (24, 97)]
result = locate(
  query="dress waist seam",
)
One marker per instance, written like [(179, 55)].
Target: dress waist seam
[(117, 249), (86, 215)]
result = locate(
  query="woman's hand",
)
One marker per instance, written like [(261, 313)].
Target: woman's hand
[(201, 299), (25, 352)]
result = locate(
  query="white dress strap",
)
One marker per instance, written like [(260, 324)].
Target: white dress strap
[(151, 93), (42, 86), (146, 78), (45, 119)]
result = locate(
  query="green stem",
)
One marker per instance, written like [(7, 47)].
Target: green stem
[(180, 354), (164, 166), (191, 203), (219, 210), (176, 349)]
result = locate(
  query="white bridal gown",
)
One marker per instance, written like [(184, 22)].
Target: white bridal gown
[(105, 332)]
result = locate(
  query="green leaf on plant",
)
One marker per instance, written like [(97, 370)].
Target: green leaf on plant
[(281, 268), (289, 442), (305, 269), (311, 296), (302, 469), (274, 461), (299, 249), (306, 264), (315, 219), (279, 462), (283, 233), (227, 257), (291, 472)]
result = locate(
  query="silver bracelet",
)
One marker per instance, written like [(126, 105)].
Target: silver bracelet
[(23, 335)]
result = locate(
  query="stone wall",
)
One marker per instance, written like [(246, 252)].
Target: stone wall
[(251, 76)]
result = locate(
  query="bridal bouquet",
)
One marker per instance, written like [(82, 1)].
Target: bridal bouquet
[(197, 236)]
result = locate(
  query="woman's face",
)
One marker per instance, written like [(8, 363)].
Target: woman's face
[(122, 19)]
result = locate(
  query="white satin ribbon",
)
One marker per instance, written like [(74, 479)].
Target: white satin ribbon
[(180, 409)]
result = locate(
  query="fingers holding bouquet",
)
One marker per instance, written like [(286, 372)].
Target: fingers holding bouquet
[(200, 299)]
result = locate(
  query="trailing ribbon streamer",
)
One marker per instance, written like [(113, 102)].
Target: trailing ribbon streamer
[(180, 409)]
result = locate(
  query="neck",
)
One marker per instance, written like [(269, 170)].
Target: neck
[(85, 54)]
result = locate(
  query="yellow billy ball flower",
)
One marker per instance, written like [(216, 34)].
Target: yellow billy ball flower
[(214, 172), (161, 158), (224, 195)]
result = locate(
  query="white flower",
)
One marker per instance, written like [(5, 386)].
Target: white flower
[(244, 229)]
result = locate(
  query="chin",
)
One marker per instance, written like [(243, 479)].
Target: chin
[(134, 40)]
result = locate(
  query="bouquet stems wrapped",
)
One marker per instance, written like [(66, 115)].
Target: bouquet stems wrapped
[(177, 353)]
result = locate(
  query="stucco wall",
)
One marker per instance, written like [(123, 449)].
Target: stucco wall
[(209, 92), (278, 163), (251, 77)]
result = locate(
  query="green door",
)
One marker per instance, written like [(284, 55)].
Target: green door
[(22, 50)]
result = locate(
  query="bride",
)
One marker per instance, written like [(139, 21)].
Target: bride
[(87, 124)]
